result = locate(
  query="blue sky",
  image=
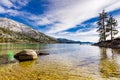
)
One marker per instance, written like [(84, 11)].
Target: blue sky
[(71, 19)]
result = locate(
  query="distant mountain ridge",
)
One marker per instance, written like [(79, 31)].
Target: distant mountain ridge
[(63, 40), (14, 31)]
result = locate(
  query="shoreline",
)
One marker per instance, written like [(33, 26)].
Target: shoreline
[(115, 44)]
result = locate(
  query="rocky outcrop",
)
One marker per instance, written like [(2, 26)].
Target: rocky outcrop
[(109, 44), (26, 55)]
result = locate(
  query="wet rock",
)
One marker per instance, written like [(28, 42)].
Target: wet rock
[(4, 59), (43, 53), (26, 55), (109, 43)]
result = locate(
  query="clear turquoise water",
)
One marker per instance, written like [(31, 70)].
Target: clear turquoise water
[(66, 61)]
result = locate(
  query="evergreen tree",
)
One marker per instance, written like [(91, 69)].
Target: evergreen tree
[(102, 25), (111, 27)]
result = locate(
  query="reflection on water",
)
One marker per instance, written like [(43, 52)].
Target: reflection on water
[(65, 62), (108, 65), (28, 64), (7, 51)]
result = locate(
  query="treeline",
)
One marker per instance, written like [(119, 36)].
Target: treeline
[(106, 26)]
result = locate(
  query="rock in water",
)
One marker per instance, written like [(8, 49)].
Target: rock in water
[(26, 55), (42, 53)]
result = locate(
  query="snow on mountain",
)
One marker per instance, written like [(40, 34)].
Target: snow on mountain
[(15, 26)]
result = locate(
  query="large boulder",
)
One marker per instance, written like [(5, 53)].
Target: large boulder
[(26, 55)]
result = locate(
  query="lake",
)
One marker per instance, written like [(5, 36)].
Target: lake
[(65, 62)]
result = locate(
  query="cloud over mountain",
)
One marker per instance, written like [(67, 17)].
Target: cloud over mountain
[(58, 17)]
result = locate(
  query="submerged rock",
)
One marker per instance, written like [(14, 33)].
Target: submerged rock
[(4, 59), (42, 53), (26, 55)]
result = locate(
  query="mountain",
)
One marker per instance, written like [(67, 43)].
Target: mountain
[(63, 40), (13, 31), (86, 42)]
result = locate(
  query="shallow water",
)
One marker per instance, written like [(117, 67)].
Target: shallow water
[(65, 62)]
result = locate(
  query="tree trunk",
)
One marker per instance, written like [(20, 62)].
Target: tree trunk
[(111, 33), (104, 30)]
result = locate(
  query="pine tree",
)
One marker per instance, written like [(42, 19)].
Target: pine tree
[(102, 26), (111, 27)]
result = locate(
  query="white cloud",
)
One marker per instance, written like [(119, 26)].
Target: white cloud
[(117, 17), (13, 12), (41, 19), (70, 13), (73, 12), (63, 14), (23, 2), (113, 6), (79, 36), (6, 3), (2, 10), (19, 3)]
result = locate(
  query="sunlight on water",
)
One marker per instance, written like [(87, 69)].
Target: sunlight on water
[(65, 62)]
